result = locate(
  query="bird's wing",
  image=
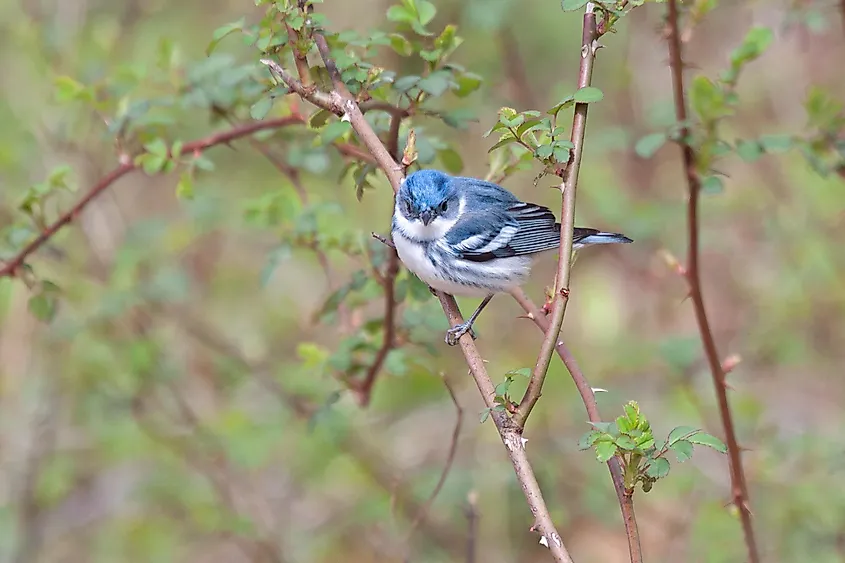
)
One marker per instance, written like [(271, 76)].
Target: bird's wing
[(517, 229), (482, 236)]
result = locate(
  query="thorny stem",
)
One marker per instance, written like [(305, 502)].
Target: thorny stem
[(588, 397), (567, 222), (739, 489)]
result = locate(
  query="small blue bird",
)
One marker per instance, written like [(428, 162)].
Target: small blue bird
[(465, 236)]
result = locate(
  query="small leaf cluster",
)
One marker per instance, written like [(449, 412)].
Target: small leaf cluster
[(35, 199), (711, 102), (643, 459), (502, 401), (539, 133), (824, 147)]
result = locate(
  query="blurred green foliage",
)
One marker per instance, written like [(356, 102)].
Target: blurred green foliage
[(176, 366)]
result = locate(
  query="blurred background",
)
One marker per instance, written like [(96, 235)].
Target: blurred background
[(187, 401)]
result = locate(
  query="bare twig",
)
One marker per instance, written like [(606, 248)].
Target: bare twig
[(739, 489), (450, 459), (128, 165), (567, 222), (588, 397)]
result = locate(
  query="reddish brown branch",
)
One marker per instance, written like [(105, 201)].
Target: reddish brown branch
[(739, 489), (128, 165)]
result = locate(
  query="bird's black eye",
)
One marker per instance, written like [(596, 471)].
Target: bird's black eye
[(443, 207), (406, 205)]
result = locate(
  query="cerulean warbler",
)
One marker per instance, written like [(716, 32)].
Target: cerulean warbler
[(465, 236)]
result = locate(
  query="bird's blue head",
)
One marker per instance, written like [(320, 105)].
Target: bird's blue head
[(427, 195)]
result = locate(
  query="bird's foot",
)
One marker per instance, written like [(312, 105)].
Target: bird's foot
[(454, 334), (432, 290)]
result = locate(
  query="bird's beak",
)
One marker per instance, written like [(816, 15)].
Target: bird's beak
[(426, 216)]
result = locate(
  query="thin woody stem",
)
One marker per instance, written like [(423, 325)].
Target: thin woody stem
[(739, 488)]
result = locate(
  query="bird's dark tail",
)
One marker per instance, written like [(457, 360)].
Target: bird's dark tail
[(584, 237)]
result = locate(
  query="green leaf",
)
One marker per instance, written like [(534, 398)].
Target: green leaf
[(400, 14), (451, 160), (625, 442), (561, 154), (587, 95), (334, 131), (632, 413), (151, 163), (588, 439), (563, 104), (435, 84), (466, 84), (503, 387), (647, 146), (261, 108), (605, 427), (157, 147), (68, 89), (521, 372), (605, 451), (544, 151), (756, 41), (705, 439), (426, 11), (645, 442), (572, 5), (776, 143), (459, 118), (185, 186), (512, 122), (749, 151), (502, 142), (683, 449), (712, 185), (680, 432), (485, 414), (401, 45), (497, 127), (43, 305), (706, 98), (658, 468), (222, 32), (405, 83)]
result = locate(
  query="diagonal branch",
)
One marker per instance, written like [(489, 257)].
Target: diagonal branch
[(589, 46), (739, 488), (128, 165), (588, 396)]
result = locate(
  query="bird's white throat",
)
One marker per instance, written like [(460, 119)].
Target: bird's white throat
[(416, 230)]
